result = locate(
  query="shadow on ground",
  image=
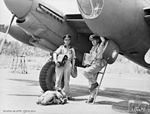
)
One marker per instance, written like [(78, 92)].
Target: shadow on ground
[(78, 90), (29, 82), (125, 94)]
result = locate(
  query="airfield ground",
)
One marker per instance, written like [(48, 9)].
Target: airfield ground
[(19, 92)]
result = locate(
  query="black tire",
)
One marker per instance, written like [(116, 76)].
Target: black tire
[(47, 76)]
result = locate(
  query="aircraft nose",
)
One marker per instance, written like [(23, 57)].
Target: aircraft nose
[(90, 9), (20, 8)]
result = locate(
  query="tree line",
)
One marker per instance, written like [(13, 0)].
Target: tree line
[(16, 48)]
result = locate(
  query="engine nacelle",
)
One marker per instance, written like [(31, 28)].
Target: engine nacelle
[(16, 32)]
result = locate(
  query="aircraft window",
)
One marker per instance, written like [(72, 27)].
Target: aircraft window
[(147, 57), (90, 8)]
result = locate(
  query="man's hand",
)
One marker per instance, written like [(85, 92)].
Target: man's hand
[(103, 40), (57, 64)]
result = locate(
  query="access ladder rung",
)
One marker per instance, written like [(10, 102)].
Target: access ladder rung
[(97, 90)]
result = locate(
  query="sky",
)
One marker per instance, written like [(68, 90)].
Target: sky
[(5, 15), (5, 18), (64, 6)]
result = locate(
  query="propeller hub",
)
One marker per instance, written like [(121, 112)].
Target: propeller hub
[(20, 8)]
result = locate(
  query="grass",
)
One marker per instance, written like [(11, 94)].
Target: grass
[(33, 63)]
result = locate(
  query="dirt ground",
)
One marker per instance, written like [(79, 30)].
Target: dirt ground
[(19, 92)]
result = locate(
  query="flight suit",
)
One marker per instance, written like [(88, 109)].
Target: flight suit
[(52, 97), (97, 63), (66, 69)]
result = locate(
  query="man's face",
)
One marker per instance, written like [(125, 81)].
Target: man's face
[(94, 42), (67, 41)]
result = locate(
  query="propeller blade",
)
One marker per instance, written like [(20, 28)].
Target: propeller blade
[(3, 41)]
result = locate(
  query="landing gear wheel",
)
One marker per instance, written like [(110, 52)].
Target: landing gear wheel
[(47, 76)]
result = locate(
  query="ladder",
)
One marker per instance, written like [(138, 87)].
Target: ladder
[(100, 83)]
